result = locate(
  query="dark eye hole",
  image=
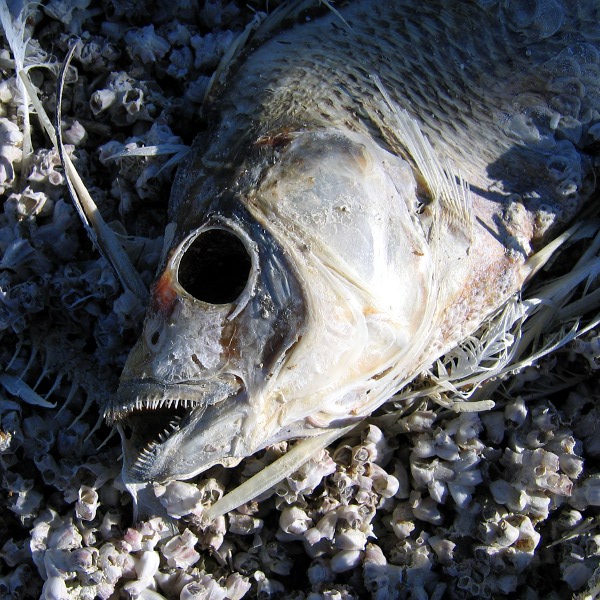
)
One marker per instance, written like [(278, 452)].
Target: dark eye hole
[(215, 268)]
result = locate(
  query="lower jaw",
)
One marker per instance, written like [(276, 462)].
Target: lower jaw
[(213, 437)]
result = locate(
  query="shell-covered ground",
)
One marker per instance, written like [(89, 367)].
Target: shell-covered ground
[(425, 501)]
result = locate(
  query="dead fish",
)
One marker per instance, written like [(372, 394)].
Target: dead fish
[(373, 184)]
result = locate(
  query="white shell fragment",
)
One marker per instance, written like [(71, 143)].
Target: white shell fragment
[(179, 550), (87, 504)]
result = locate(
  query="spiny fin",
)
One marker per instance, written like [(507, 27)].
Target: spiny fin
[(448, 190)]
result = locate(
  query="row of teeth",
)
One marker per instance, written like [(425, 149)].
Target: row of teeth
[(116, 414), (144, 460), (146, 455), (171, 427), (156, 403)]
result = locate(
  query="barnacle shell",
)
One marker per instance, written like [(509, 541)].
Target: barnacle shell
[(587, 493), (294, 520), (576, 575), (87, 504), (66, 10), (101, 100), (178, 498), (402, 522), (516, 411), (76, 135), (426, 509), (146, 45), (54, 588), (384, 484), (23, 501), (244, 524), (11, 140), (345, 560), (443, 548), (179, 550)]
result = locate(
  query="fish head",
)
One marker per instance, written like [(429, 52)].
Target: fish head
[(291, 302), (223, 313)]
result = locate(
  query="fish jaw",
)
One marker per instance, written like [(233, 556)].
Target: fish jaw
[(203, 437)]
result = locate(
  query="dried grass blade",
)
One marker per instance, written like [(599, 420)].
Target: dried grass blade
[(99, 232)]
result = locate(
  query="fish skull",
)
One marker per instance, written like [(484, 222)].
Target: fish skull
[(294, 301)]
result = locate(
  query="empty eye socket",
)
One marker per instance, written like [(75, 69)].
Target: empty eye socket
[(215, 268)]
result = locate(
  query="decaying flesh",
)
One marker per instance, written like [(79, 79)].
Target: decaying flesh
[(370, 189)]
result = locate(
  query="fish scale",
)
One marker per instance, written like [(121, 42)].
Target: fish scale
[(449, 92), (384, 175)]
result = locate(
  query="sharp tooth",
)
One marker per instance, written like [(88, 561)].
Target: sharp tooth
[(166, 433), (143, 459)]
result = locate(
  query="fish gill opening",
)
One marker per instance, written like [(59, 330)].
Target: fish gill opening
[(215, 268)]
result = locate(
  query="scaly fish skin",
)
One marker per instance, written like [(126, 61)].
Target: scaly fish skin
[(370, 190)]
